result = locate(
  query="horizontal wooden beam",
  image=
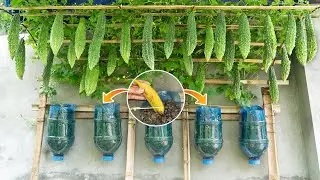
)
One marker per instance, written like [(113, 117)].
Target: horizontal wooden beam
[(248, 82), (164, 7)]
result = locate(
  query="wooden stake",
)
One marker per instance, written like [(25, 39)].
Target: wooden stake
[(130, 148), (186, 145), (38, 139), (271, 129)]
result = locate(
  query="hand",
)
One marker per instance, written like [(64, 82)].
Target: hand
[(135, 92)]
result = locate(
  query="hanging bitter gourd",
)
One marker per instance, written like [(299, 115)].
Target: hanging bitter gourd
[(13, 35), (169, 39), (187, 60), (20, 59), (301, 49), (270, 43), (236, 82), (285, 64), (47, 69), (80, 38), (209, 42), (91, 79), (147, 47), (42, 45), (200, 78), (57, 34), (291, 33), (71, 54), (125, 42), (273, 84), (311, 38), (191, 38), (82, 82), (220, 36), (112, 61), (244, 35), (95, 46), (230, 52)]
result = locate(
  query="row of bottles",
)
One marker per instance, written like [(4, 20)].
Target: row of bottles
[(158, 140)]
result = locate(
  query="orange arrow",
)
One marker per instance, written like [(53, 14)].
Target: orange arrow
[(201, 99), (108, 98)]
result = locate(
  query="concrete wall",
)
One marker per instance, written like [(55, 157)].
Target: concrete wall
[(83, 161)]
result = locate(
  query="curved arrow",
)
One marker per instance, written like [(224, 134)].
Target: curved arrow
[(108, 98), (201, 99)]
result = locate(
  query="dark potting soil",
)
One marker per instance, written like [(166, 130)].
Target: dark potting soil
[(171, 110)]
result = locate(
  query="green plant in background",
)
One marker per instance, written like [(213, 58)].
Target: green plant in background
[(98, 67)]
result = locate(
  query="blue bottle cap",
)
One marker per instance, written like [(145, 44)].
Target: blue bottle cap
[(158, 159), (254, 161), (207, 161), (108, 157), (58, 157)]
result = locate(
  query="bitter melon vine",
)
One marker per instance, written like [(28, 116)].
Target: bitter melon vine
[(20, 59), (270, 43), (95, 46), (230, 51), (274, 89), (80, 38), (209, 42), (147, 47), (301, 50), (291, 32), (42, 45), (244, 35), (169, 39), (112, 61), (47, 70), (191, 39), (220, 36), (57, 34), (71, 54), (91, 80), (125, 43), (285, 64), (13, 35), (311, 38)]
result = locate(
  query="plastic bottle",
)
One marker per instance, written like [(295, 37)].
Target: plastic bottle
[(208, 132), (60, 126), (158, 141), (253, 133), (107, 129)]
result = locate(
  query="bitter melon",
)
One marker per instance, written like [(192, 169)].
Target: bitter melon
[(270, 43), (13, 35), (20, 59), (91, 79), (191, 39), (209, 42), (285, 64), (80, 38), (273, 84), (47, 70), (244, 35), (220, 36), (71, 54), (57, 34), (125, 43), (82, 83), (112, 61), (291, 33), (236, 82), (95, 46), (301, 49), (311, 38), (147, 47), (187, 60), (42, 46), (230, 52), (200, 78), (169, 39)]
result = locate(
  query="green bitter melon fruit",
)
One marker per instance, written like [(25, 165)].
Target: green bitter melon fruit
[(42, 45), (13, 35), (209, 42), (191, 39), (220, 36), (200, 78), (95, 46), (270, 43), (236, 82), (82, 83), (311, 38), (230, 52), (291, 33), (169, 39), (112, 61), (285, 64), (20, 59), (273, 84), (187, 60), (125, 42), (47, 69), (301, 49), (71, 54), (244, 35), (57, 34), (147, 47), (91, 79), (80, 38)]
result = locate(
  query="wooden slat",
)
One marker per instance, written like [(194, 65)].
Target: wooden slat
[(186, 145), (248, 82), (130, 148), (272, 148), (38, 138)]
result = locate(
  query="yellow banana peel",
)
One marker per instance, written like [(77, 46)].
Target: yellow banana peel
[(152, 96)]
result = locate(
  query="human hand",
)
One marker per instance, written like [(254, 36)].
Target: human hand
[(135, 92)]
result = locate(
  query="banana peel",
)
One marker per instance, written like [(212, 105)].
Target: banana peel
[(152, 96)]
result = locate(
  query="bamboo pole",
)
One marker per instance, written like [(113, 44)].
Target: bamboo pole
[(186, 144), (164, 7), (271, 129), (38, 138), (130, 148), (248, 82)]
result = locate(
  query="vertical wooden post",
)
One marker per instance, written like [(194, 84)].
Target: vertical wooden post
[(130, 147), (186, 144), (272, 149), (39, 135)]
